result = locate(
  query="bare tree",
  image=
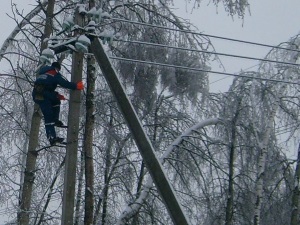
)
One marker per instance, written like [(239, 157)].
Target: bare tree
[(88, 138), (296, 193), (29, 173), (216, 159), (88, 143)]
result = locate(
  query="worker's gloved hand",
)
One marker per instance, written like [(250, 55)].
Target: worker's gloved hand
[(79, 85), (61, 97)]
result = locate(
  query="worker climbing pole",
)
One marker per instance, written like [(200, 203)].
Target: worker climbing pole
[(86, 37)]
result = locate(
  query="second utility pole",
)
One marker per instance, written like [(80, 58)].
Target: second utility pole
[(143, 143), (72, 137)]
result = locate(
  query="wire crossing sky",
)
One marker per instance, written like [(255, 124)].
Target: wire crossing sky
[(207, 35), (274, 21), (209, 52), (217, 53), (203, 70)]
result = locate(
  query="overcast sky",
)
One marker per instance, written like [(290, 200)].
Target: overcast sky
[(270, 22)]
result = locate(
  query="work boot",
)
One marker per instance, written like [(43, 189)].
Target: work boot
[(55, 140)]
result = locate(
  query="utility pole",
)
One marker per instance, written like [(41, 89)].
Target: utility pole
[(143, 143), (72, 136)]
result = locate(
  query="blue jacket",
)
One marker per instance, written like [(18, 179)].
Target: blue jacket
[(49, 79)]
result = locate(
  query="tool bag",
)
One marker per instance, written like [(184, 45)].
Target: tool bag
[(39, 91)]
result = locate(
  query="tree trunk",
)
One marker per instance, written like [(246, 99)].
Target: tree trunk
[(138, 190), (296, 193), (79, 191), (230, 194), (29, 173), (102, 200), (88, 142), (107, 171), (108, 175), (263, 148), (89, 137), (50, 193)]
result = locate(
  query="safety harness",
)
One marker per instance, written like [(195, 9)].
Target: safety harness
[(39, 91), (40, 88)]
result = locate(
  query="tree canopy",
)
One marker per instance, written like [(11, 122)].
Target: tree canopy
[(225, 154)]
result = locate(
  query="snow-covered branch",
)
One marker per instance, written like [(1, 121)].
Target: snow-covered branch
[(19, 27), (134, 207)]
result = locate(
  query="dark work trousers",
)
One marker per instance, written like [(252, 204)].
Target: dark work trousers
[(50, 109)]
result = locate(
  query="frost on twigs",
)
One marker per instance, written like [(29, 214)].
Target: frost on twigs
[(233, 8)]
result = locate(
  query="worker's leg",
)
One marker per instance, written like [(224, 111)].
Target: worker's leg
[(47, 111), (56, 111)]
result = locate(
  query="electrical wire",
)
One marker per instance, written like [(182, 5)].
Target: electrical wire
[(203, 51), (201, 70), (223, 78), (209, 52), (203, 34)]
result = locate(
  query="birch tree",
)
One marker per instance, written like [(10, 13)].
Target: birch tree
[(165, 116), (29, 172), (270, 110), (296, 193)]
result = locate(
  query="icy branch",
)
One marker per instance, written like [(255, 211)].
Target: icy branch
[(178, 140), (134, 207), (18, 28)]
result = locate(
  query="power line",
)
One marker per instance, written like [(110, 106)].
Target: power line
[(227, 76), (203, 34), (209, 52), (201, 70)]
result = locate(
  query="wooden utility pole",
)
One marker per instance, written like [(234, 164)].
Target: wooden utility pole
[(143, 143), (72, 137)]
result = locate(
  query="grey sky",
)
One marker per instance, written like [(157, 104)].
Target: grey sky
[(271, 22)]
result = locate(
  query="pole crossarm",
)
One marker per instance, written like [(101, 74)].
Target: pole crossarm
[(143, 143)]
